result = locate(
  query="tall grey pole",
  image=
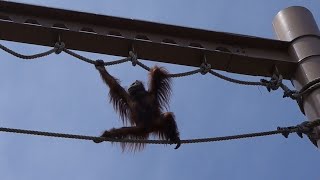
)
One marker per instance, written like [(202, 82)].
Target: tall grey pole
[(297, 25)]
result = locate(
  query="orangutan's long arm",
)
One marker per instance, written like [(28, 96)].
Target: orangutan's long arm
[(118, 95)]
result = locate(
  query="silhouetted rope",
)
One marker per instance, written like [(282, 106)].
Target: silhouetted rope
[(248, 83), (60, 47), (273, 84), (34, 56), (284, 131)]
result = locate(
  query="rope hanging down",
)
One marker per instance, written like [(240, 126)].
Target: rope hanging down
[(273, 84), (304, 128)]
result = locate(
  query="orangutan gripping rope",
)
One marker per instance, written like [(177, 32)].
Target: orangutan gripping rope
[(141, 108)]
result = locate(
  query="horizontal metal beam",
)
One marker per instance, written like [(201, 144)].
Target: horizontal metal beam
[(152, 41)]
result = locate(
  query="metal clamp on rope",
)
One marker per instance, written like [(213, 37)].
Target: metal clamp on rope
[(134, 58), (59, 47)]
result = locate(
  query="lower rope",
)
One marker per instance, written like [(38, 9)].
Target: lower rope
[(291, 129)]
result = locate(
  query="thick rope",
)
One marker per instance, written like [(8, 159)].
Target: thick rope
[(189, 73), (111, 63), (273, 84), (287, 130), (248, 83), (78, 56), (143, 66), (34, 56), (312, 83), (308, 88), (60, 46)]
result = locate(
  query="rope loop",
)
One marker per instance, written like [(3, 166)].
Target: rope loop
[(59, 47), (134, 58), (205, 68)]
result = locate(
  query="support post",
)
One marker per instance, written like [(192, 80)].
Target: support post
[(297, 25)]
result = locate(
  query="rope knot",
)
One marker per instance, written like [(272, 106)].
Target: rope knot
[(99, 62), (304, 128), (290, 93), (274, 83), (285, 131), (307, 128), (205, 68), (134, 58), (59, 47)]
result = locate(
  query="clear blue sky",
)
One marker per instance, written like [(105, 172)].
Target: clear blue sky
[(61, 94)]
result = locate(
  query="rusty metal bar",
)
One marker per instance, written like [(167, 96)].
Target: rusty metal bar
[(152, 41)]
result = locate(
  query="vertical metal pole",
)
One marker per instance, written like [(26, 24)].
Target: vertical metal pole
[(297, 25)]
